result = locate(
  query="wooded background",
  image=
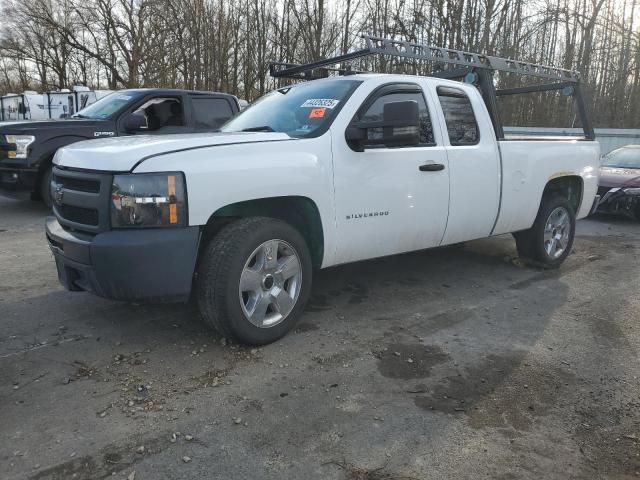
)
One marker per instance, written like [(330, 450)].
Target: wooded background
[(226, 45)]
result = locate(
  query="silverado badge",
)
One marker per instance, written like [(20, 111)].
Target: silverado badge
[(367, 215)]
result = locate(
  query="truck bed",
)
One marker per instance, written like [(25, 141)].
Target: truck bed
[(527, 166)]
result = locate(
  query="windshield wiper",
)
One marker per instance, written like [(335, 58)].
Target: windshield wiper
[(263, 128)]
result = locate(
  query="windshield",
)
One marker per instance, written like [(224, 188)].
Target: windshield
[(303, 110), (106, 106), (623, 158)]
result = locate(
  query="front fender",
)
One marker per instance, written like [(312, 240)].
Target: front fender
[(43, 151), (221, 175)]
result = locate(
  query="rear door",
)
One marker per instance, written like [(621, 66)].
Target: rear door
[(210, 112), (474, 162), (386, 200)]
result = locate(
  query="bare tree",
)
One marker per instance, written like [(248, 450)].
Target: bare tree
[(222, 45)]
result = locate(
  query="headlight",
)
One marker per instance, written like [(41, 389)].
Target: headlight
[(146, 200), (21, 142)]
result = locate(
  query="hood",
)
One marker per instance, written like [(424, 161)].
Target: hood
[(122, 154), (612, 177), (31, 127)]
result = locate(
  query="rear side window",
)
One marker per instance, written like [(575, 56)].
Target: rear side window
[(458, 115), (374, 113), (211, 112)]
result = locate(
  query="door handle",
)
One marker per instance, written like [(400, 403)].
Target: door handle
[(431, 167)]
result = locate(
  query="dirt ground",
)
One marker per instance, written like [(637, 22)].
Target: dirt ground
[(451, 363)]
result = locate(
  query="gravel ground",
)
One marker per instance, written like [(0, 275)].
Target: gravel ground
[(450, 363)]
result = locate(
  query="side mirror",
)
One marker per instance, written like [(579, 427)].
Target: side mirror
[(399, 127), (135, 122)]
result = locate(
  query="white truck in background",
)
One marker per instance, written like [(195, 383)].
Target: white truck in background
[(312, 175)]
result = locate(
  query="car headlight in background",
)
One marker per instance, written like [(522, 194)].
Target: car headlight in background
[(21, 143), (147, 200)]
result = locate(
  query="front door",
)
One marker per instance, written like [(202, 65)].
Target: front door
[(390, 200), (163, 115)]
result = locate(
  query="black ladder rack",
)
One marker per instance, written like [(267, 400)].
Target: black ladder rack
[(481, 66)]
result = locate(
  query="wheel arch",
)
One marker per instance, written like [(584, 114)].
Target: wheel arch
[(44, 163), (300, 212), (569, 186)]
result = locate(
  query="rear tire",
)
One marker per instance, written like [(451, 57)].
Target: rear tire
[(549, 241), (254, 280), (45, 186)]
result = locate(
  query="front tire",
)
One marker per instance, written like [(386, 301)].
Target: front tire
[(548, 242), (254, 280)]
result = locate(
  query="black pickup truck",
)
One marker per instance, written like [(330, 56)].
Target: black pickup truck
[(27, 147)]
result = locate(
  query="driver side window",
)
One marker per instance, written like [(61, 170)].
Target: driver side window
[(162, 112), (375, 113)]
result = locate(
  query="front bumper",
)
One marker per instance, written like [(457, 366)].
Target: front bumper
[(132, 265), (14, 178), (625, 201)]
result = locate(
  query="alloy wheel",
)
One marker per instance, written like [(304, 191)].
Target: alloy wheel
[(556, 232), (270, 283)]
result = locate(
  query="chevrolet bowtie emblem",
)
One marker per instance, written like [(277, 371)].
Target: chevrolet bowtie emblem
[(58, 193)]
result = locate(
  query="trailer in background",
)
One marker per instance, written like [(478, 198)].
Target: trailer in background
[(31, 105)]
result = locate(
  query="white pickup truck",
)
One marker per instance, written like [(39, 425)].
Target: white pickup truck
[(312, 175)]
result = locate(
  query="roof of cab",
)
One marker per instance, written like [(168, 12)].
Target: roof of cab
[(169, 91), (364, 77)]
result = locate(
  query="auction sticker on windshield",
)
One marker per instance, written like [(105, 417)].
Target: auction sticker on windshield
[(317, 113), (320, 103)]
